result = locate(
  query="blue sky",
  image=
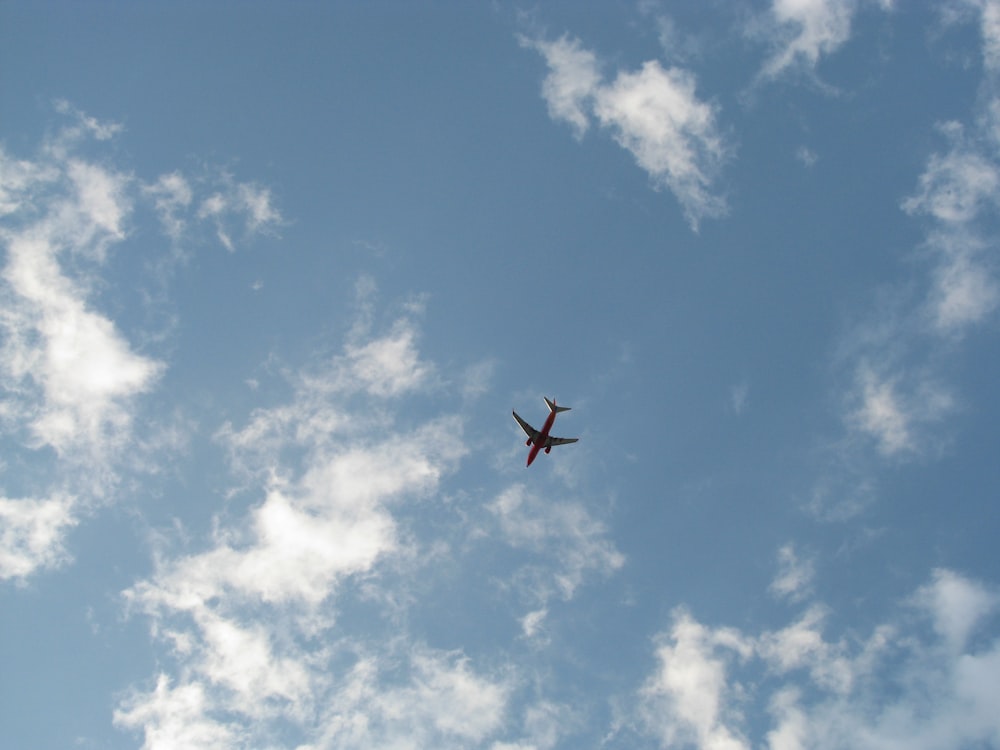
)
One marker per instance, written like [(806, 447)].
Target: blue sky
[(273, 276)]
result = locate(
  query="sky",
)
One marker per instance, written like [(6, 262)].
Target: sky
[(273, 276)]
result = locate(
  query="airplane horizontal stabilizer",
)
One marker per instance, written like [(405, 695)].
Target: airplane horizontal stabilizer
[(552, 406)]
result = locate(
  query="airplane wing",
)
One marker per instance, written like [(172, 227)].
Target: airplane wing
[(530, 431), (559, 441)]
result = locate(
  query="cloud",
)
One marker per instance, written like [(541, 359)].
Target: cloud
[(70, 376), (882, 415), (806, 156), (901, 686), (565, 532), (954, 191), (253, 621), (958, 606), (388, 366), (81, 367), (794, 578), (684, 700), (955, 186), (896, 388), (653, 113), (32, 533), (573, 81), (184, 203), (802, 31), (73, 382), (738, 395), (171, 194), (233, 202)]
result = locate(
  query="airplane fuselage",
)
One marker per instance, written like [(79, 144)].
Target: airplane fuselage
[(539, 439), (543, 436)]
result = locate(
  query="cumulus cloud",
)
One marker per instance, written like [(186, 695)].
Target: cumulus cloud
[(901, 686), (654, 113)]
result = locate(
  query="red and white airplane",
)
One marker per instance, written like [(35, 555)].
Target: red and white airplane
[(539, 439)]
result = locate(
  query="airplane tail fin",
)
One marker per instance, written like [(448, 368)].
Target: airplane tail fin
[(552, 406)]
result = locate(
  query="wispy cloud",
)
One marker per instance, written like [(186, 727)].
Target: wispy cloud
[(654, 113), (565, 535), (955, 191), (896, 390), (795, 574), (235, 210)]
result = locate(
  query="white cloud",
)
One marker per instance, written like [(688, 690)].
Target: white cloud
[(898, 419), (795, 575), (955, 187), (173, 717), (427, 698), (653, 113), (565, 532), (806, 156), (990, 28), (70, 376), (574, 79), (82, 366), (171, 194), (805, 30), (232, 203), (252, 620), (31, 534), (656, 115), (881, 414), (801, 646), (101, 130), (738, 395), (389, 366), (531, 623), (955, 190), (987, 13), (958, 606), (902, 686), (72, 380), (685, 700)]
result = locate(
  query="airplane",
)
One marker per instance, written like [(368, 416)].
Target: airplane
[(539, 439)]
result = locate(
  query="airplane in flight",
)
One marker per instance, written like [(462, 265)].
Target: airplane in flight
[(539, 439)]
